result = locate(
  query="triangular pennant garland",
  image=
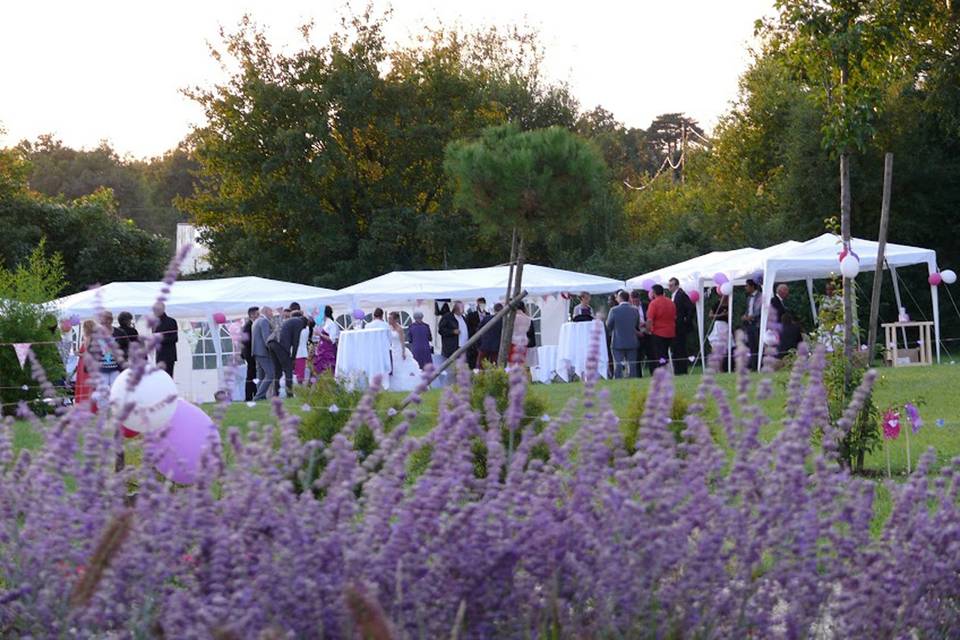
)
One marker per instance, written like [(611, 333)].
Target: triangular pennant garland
[(22, 349)]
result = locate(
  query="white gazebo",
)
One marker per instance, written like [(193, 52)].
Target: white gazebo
[(408, 291), (789, 261), (204, 347)]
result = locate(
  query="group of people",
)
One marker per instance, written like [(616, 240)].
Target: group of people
[(652, 334), (275, 343), (109, 349), (456, 328)]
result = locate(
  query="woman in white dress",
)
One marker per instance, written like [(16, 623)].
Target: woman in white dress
[(718, 335), (405, 373)]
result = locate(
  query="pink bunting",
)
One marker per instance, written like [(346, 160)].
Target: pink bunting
[(22, 349)]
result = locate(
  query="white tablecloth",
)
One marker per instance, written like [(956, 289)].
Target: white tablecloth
[(546, 364), (576, 338), (363, 354)]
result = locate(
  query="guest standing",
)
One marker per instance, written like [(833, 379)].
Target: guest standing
[(421, 340), (473, 318), (583, 312), (167, 349), (623, 321), (490, 340), (325, 353), (378, 321), (686, 312), (642, 341), (662, 324), (452, 330), (109, 351), (246, 352), (751, 320), (285, 346), (126, 334), (83, 388), (262, 330), (719, 337), (303, 349)]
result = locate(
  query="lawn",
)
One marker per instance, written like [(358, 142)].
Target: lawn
[(932, 388)]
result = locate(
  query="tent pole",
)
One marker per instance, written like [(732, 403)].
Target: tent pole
[(764, 317), (813, 302), (729, 333), (935, 300), (700, 322)]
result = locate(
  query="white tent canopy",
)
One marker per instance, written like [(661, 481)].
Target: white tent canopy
[(490, 282), (818, 258), (195, 298), (690, 271)]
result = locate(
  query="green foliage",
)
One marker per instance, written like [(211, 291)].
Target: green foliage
[(25, 318), (539, 182), (495, 383), (95, 245), (321, 424), (630, 425), (321, 162)]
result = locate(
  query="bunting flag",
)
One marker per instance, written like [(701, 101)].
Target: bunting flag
[(891, 425), (22, 349)]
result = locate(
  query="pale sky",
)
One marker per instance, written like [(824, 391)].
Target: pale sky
[(103, 69)]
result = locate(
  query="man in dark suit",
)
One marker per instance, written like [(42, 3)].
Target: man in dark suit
[(624, 321), (452, 324), (246, 352), (490, 341), (790, 335), (473, 318), (777, 302), (686, 312), (167, 349), (284, 347)]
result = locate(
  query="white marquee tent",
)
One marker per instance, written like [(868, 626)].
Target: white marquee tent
[(787, 262), (203, 347), (409, 290)]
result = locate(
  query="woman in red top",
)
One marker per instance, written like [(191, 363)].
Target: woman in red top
[(83, 388), (662, 322)]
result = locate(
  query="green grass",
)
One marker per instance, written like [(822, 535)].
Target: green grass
[(932, 388)]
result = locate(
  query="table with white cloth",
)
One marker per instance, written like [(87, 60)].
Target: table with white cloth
[(576, 340), (545, 367), (363, 354)]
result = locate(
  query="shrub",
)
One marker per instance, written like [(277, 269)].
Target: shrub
[(321, 424), (495, 383), (636, 405), (772, 540)]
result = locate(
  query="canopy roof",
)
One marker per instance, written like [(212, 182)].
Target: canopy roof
[(195, 298), (689, 271), (818, 258), (490, 282)]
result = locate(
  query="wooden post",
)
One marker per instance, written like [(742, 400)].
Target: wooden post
[(881, 248), (510, 289), (512, 305), (847, 283), (506, 338)]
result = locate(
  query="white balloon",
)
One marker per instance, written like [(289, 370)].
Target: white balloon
[(726, 288), (770, 338), (154, 400), (850, 266), (948, 276)]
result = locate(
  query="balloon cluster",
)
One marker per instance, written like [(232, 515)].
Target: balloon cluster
[(151, 405), (724, 286), (947, 276)]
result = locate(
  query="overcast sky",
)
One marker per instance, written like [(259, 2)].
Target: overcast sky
[(103, 69)]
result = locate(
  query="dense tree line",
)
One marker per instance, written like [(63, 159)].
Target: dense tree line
[(325, 164)]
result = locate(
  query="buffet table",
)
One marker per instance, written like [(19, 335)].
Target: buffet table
[(363, 354), (576, 340)]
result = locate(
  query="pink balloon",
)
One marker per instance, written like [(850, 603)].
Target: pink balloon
[(720, 277), (647, 284), (935, 279), (179, 451), (694, 296), (220, 318)]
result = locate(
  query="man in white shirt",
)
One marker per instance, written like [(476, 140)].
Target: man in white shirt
[(377, 322), (751, 320), (464, 334)]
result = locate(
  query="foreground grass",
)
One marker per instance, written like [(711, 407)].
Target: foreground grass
[(932, 388)]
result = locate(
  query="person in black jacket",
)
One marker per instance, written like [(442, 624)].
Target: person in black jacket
[(452, 330), (473, 318), (246, 352), (125, 334), (284, 348), (167, 349), (490, 341), (686, 312)]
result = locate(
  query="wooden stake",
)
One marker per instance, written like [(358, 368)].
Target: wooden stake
[(847, 283), (881, 249)]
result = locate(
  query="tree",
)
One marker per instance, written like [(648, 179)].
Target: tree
[(845, 52), (537, 183), (325, 165)]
